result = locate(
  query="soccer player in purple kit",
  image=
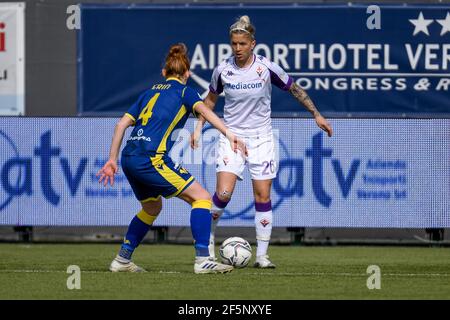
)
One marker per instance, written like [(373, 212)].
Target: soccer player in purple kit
[(246, 79), (150, 171)]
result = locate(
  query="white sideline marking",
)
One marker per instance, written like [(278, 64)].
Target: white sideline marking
[(45, 271), (343, 274), (346, 274), (61, 271)]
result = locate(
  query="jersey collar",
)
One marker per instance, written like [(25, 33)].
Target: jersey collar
[(175, 79), (246, 68)]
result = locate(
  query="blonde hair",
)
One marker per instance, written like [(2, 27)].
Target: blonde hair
[(243, 25), (177, 61)]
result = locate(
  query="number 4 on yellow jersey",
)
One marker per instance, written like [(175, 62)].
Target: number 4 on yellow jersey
[(147, 111)]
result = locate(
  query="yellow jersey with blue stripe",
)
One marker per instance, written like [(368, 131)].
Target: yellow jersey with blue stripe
[(159, 111)]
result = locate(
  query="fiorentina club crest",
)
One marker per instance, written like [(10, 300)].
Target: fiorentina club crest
[(264, 222), (259, 71)]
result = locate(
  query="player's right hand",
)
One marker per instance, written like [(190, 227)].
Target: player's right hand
[(195, 137), (107, 173)]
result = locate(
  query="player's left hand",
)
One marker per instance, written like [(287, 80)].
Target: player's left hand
[(323, 124), (107, 173)]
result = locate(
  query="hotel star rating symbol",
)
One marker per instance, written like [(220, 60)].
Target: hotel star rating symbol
[(445, 23), (421, 24)]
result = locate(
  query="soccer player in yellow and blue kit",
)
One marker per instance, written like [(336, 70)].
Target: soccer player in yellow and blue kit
[(150, 171)]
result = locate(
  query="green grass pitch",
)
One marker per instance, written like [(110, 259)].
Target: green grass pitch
[(39, 271)]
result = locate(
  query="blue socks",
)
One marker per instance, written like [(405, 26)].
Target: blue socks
[(137, 230), (201, 226)]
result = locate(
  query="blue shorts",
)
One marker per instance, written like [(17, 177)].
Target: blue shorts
[(151, 177)]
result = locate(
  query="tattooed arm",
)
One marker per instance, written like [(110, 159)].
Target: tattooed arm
[(306, 101)]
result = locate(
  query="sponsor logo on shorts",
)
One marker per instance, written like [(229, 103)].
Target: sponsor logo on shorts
[(183, 170)]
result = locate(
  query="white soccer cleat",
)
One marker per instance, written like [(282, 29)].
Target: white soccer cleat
[(210, 266), (117, 266), (264, 262)]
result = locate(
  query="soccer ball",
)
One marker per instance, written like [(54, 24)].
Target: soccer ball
[(236, 252)]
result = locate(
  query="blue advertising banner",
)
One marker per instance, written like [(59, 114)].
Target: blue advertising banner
[(387, 60), (377, 173)]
